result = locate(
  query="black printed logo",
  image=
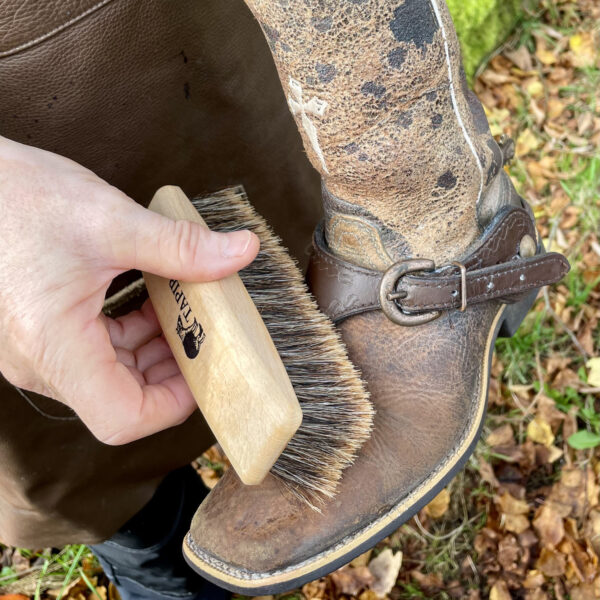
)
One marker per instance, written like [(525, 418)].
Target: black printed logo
[(188, 329)]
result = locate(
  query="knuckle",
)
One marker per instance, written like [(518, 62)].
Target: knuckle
[(190, 241)]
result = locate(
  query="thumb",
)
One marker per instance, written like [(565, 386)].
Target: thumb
[(180, 249)]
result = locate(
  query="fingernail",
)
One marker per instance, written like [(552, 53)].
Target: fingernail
[(236, 244)]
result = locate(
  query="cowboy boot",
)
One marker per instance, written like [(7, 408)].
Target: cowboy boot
[(425, 255)]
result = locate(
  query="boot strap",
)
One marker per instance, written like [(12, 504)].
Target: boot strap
[(505, 263)]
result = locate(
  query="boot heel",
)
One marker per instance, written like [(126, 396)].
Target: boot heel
[(514, 315)]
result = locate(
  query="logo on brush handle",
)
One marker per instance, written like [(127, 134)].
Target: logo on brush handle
[(188, 328)]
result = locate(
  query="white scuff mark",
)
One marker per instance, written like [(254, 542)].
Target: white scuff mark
[(314, 107), (468, 139)]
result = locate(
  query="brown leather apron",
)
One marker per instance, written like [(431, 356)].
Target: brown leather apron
[(144, 93)]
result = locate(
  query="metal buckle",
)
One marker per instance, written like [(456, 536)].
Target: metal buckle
[(388, 293)]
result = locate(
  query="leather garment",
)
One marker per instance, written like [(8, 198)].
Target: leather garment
[(144, 93)]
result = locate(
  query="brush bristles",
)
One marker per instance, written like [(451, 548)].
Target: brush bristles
[(337, 412)]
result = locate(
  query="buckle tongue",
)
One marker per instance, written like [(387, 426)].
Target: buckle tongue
[(388, 292)]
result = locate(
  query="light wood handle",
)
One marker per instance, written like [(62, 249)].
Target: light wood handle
[(227, 357)]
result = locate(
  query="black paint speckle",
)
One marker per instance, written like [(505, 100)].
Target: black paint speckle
[(183, 55), (437, 120), (414, 22), (186, 90), (405, 120), (326, 72), (431, 96), (370, 88), (363, 157), (351, 148), (447, 180), (396, 57), (322, 25), (271, 33)]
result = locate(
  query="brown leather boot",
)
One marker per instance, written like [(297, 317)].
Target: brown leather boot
[(425, 256)]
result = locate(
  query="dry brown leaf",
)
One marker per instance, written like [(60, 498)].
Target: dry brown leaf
[(429, 581), (315, 590), (583, 592), (516, 523), (537, 594), (510, 505), (486, 472), (534, 579), (14, 597), (350, 581), (439, 505), (549, 525), (384, 569), (501, 436), (521, 57), (551, 562)]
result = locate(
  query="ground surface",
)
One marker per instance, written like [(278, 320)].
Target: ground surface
[(523, 519)]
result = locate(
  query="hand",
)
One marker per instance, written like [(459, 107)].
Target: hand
[(64, 235)]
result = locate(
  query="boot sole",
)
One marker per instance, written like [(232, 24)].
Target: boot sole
[(248, 583)]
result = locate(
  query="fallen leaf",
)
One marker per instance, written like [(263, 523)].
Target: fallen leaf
[(534, 579), (539, 431), (428, 581), (545, 56), (350, 581), (582, 47), (551, 563), (526, 143), (14, 597), (314, 590), (501, 436), (362, 560), (500, 591), (521, 57), (594, 371), (384, 569), (516, 523), (512, 506), (439, 505), (549, 525), (486, 472)]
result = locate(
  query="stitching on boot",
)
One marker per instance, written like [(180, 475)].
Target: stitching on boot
[(453, 97)]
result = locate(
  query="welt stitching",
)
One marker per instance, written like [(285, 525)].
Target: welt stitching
[(54, 31)]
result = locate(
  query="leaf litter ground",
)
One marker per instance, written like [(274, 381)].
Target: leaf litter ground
[(522, 520)]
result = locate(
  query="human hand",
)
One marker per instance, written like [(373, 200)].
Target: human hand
[(64, 235)]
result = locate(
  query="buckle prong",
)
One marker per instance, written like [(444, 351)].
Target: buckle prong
[(388, 292)]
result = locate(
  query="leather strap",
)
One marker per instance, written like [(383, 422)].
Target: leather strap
[(494, 270)]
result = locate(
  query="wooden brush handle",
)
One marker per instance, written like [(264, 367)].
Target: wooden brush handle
[(227, 357)]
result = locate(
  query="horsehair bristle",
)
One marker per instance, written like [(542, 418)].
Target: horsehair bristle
[(337, 412)]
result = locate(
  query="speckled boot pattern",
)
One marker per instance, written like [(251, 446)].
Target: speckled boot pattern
[(380, 98)]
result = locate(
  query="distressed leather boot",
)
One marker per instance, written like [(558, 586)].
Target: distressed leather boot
[(426, 254)]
